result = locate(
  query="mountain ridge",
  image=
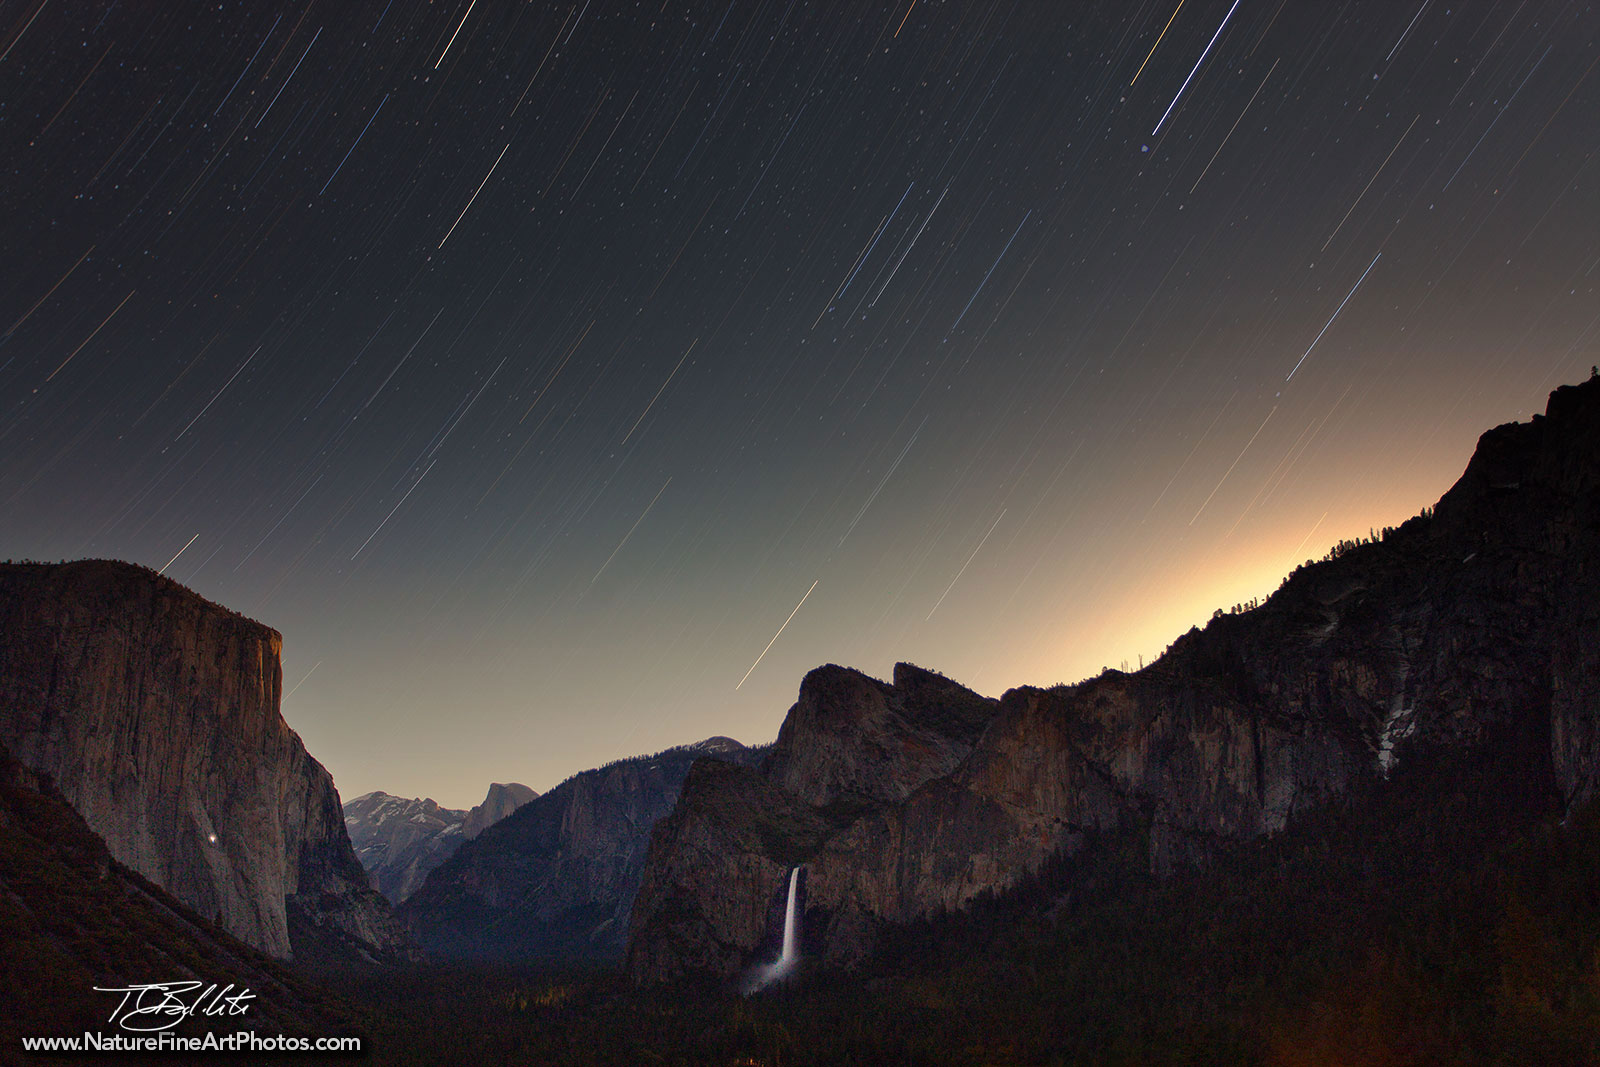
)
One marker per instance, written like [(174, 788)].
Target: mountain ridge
[(1473, 624), (400, 839), (557, 877)]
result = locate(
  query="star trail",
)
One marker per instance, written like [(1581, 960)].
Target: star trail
[(525, 363)]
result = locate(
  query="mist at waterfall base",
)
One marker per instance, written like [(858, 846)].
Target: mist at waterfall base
[(763, 975)]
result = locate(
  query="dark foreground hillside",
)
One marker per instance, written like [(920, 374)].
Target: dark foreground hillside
[(73, 918), (1446, 916)]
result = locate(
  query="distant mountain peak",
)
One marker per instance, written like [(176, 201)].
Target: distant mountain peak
[(718, 745), (399, 840), (501, 800), (558, 876)]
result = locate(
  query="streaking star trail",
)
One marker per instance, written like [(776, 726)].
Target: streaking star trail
[(518, 362)]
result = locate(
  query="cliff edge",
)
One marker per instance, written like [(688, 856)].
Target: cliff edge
[(1472, 628), (155, 713)]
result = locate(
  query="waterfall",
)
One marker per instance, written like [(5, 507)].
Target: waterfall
[(765, 974), (791, 923)]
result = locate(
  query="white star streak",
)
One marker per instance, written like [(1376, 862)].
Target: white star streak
[(1307, 537), (1502, 111), (302, 681), (180, 552), (385, 384), (287, 80), (540, 67), (46, 296), (967, 564), (663, 389), (394, 509), (277, 524), (360, 135), (1410, 24), (18, 37), (629, 534), (1336, 311), (219, 392), (1370, 180), (475, 193), (1235, 126), (907, 252), (883, 482), (992, 266), (1197, 63), (247, 67), (453, 36), (1236, 460), (97, 329), (777, 635), (580, 19), (851, 273)]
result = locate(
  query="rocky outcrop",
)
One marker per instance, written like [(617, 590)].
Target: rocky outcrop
[(557, 877), (501, 801), (1475, 626), (399, 840), (155, 712)]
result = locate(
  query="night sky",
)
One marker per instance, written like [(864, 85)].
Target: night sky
[(532, 366)]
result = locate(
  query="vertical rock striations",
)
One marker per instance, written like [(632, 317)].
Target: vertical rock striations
[(1475, 627), (73, 918), (155, 712)]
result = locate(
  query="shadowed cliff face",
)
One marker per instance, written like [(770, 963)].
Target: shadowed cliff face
[(1474, 628), (155, 712), (556, 877), (73, 918)]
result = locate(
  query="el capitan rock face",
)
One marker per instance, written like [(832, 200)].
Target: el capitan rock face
[(72, 918), (557, 877), (399, 839), (1475, 627), (155, 713)]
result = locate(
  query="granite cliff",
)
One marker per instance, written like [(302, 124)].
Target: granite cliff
[(399, 839), (1472, 627), (556, 878), (73, 918), (501, 800), (155, 713)]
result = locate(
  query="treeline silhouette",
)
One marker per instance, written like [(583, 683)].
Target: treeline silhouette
[(1448, 915)]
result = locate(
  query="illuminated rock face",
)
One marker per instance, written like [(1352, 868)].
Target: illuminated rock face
[(1474, 627), (400, 839), (155, 712)]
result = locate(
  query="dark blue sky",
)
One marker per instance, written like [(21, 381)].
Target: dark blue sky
[(532, 366)]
